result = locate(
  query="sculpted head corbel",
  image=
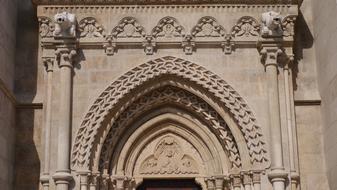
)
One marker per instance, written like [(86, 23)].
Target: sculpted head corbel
[(272, 24), (65, 25)]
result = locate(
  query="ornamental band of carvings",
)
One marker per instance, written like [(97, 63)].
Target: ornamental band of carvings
[(168, 30), (175, 96), (168, 27), (246, 26), (208, 27), (90, 28), (169, 158), (128, 27), (237, 107)]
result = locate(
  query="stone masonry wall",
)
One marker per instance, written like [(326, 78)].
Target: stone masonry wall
[(325, 28), (7, 103)]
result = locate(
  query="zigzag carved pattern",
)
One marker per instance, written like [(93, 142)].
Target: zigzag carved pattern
[(174, 66), (172, 96)]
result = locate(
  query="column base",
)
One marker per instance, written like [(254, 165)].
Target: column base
[(62, 177)]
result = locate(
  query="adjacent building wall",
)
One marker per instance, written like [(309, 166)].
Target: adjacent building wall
[(325, 29), (7, 100)]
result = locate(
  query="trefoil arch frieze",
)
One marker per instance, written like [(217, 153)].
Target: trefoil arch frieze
[(169, 32)]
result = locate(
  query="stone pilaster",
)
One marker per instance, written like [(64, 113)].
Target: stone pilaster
[(49, 65)]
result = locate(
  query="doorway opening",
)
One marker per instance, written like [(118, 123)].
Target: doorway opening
[(172, 184)]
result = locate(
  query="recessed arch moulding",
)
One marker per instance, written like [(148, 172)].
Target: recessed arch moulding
[(165, 110)]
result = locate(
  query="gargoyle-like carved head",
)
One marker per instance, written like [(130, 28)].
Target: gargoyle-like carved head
[(271, 24), (65, 25)]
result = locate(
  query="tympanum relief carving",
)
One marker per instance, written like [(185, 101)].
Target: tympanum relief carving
[(169, 158)]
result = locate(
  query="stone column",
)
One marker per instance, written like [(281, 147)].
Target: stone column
[(256, 181), (236, 182), (49, 64), (219, 182), (277, 176), (62, 176), (247, 181)]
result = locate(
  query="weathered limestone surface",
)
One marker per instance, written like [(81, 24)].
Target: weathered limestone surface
[(7, 102), (326, 45)]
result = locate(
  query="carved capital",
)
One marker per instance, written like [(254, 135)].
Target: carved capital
[(48, 62), (256, 177), (246, 178), (236, 180), (66, 56), (269, 54)]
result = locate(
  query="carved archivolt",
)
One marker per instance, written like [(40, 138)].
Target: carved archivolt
[(176, 96), (103, 105), (169, 158), (128, 27)]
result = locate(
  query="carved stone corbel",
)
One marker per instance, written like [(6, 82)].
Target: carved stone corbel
[(271, 25), (109, 45), (228, 44), (149, 45), (188, 44), (65, 25)]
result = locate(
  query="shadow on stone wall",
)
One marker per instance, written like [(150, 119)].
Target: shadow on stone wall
[(28, 132), (304, 39), (27, 162)]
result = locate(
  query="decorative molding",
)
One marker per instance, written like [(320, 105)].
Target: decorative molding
[(208, 27), (128, 27), (156, 2), (169, 158), (85, 136), (175, 96), (168, 27), (89, 28)]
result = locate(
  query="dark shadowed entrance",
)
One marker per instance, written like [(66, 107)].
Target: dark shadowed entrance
[(175, 184)]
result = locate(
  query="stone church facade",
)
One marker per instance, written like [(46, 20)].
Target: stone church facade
[(169, 94)]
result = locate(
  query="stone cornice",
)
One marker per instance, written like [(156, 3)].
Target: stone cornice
[(159, 2)]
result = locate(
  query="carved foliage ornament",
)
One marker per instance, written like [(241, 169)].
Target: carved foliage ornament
[(46, 27), (89, 28), (168, 27), (85, 137), (245, 27), (128, 27), (208, 27), (169, 158)]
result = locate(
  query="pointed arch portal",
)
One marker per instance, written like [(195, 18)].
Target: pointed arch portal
[(168, 119)]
